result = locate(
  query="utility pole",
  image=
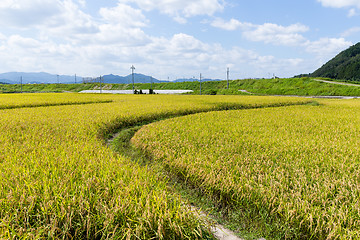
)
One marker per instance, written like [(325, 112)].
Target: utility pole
[(151, 79), (57, 76), (21, 83), (132, 76), (100, 85), (75, 78), (227, 77), (200, 83)]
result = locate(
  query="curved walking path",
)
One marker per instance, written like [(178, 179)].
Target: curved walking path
[(218, 230), (338, 83)]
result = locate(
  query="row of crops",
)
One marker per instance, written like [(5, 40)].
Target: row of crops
[(59, 180), (295, 168)]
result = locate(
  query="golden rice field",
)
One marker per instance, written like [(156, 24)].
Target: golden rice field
[(59, 180), (296, 166), (49, 99)]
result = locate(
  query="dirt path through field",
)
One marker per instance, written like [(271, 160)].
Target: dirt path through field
[(120, 142), (218, 230), (339, 83)]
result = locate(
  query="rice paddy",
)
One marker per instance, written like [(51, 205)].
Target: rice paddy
[(296, 168), (59, 180)]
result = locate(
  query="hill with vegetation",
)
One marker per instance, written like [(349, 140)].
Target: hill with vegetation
[(345, 66), (290, 86)]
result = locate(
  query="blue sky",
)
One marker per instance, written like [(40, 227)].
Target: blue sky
[(175, 38)]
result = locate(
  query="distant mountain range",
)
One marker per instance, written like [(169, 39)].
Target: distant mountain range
[(36, 78), (345, 65), (138, 78), (47, 78)]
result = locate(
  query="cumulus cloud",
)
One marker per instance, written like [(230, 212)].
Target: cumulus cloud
[(276, 34), (25, 13), (180, 9), (58, 17), (124, 15), (65, 38), (352, 12), (268, 32), (350, 31), (340, 3), (71, 20), (231, 25), (186, 52), (327, 48), (353, 4)]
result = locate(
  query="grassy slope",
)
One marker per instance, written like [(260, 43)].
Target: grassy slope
[(292, 86), (298, 86)]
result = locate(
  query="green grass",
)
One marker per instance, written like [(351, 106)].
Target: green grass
[(290, 86), (297, 86)]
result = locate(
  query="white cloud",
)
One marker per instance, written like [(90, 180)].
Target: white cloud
[(276, 34), (326, 48), (24, 13), (17, 41), (180, 20), (82, 3), (340, 3), (49, 17), (352, 12), (268, 32), (350, 31), (71, 39), (71, 20), (322, 49), (124, 15), (67, 40), (2, 36), (183, 42), (180, 9), (180, 54), (231, 25), (353, 4), (121, 25), (185, 52)]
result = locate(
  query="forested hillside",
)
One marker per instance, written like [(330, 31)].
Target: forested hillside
[(346, 65)]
